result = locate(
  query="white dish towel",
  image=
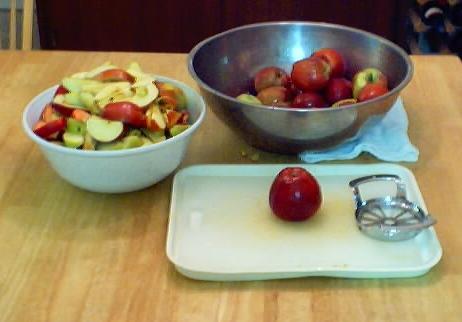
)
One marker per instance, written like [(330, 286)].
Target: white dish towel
[(386, 139)]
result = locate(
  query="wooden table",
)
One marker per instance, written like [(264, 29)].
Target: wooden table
[(71, 255)]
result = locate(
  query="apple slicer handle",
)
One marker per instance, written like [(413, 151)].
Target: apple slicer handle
[(354, 184)]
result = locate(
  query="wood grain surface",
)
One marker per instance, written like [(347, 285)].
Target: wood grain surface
[(71, 255)]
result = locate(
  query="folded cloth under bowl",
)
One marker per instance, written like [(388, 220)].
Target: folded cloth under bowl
[(385, 138)]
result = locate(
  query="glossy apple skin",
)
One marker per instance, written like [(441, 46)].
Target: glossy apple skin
[(61, 90), (125, 112), (334, 59), (338, 89), (310, 74), (269, 77), (51, 128), (115, 75), (308, 100), (295, 194), (274, 96), (371, 91), (176, 95), (64, 111)]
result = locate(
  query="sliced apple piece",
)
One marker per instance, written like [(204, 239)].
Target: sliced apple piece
[(49, 114), (76, 84), (73, 98), (73, 140), (146, 141), (88, 100), (89, 142), (125, 112), (104, 130), (75, 126), (49, 129), (112, 89), (154, 136), (115, 75), (60, 104), (155, 119), (178, 128), (145, 94), (174, 92), (61, 90), (128, 142), (172, 117), (92, 73)]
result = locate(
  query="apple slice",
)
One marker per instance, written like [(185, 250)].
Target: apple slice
[(75, 126), (249, 99), (154, 136), (155, 119), (178, 128), (50, 128), (126, 112), (172, 117), (115, 75), (145, 93), (64, 108), (94, 72), (104, 130), (89, 142), (76, 84), (175, 93), (73, 140), (61, 90), (73, 98)]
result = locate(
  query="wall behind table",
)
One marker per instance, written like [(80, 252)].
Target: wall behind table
[(176, 26)]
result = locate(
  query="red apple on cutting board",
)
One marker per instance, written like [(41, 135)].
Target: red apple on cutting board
[(295, 194)]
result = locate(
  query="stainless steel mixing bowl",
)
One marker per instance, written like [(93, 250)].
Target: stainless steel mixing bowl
[(224, 65)]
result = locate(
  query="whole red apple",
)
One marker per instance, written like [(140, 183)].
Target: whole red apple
[(334, 59), (295, 194), (338, 89), (308, 100), (274, 96), (269, 77), (371, 91), (310, 74)]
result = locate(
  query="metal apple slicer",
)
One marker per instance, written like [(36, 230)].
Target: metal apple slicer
[(388, 218)]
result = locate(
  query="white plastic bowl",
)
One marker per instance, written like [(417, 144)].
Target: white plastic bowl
[(122, 170)]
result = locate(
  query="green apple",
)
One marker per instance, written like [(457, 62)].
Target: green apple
[(154, 136), (128, 142), (104, 130), (368, 76), (73, 98), (178, 128), (76, 84), (249, 99), (75, 126), (60, 100), (73, 140)]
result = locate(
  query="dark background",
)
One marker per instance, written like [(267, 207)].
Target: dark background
[(176, 26)]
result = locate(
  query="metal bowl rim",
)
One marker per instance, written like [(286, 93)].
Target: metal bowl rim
[(394, 91)]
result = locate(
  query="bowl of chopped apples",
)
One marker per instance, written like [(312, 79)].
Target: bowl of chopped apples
[(114, 130)]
